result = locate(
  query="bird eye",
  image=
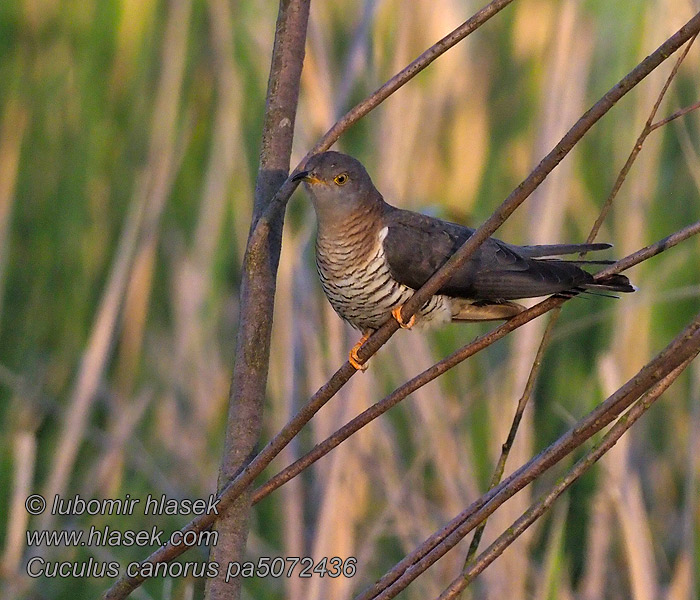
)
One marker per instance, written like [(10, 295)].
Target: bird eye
[(341, 179)]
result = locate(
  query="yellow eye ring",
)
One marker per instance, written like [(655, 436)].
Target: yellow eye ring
[(341, 179)]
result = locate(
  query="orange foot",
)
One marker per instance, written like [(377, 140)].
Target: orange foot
[(353, 359), (397, 315)]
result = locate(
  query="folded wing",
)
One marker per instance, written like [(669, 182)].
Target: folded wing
[(416, 246)]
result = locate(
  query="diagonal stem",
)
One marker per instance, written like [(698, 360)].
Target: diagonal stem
[(675, 115)]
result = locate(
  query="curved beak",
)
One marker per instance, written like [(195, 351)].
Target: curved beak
[(306, 176)]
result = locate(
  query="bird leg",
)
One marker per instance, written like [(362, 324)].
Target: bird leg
[(396, 312), (353, 359)]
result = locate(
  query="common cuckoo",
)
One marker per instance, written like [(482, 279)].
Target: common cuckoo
[(372, 256)]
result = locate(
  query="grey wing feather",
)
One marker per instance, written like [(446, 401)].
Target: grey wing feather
[(417, 245)]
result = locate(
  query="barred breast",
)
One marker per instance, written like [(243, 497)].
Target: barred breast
[(356, 279)]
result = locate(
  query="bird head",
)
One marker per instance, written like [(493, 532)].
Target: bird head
[(338, 184)]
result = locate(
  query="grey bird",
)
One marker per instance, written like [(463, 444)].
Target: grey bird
[(372, 256)]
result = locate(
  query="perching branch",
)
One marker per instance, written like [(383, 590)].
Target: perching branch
[(447, 363)]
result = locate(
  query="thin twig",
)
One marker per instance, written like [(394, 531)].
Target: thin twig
[(682, 347), (648, 128), (535, 511), (675, 115), (508, 444)]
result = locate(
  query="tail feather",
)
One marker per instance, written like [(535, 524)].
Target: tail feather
[(559, 249), (578, 262), (612, 283)]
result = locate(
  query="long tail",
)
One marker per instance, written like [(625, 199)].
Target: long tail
[(612, 283)]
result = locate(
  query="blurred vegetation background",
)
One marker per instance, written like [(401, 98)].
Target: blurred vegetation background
[(129, 137)]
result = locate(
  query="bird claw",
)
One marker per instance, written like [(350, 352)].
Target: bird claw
[(353, 359), (396, 313)]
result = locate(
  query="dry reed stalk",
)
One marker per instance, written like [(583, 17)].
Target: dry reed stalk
[(225, 158), (110, 464), (342, 503), (460, 117), (434, 432), (622, 484), (197, 364), (692, 476), (598, 543), (685, 578), (519, 411), (547, 579), (195, 370), (355, 61), (400, 119), (690, 152), (133, 325), (319, 77)]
